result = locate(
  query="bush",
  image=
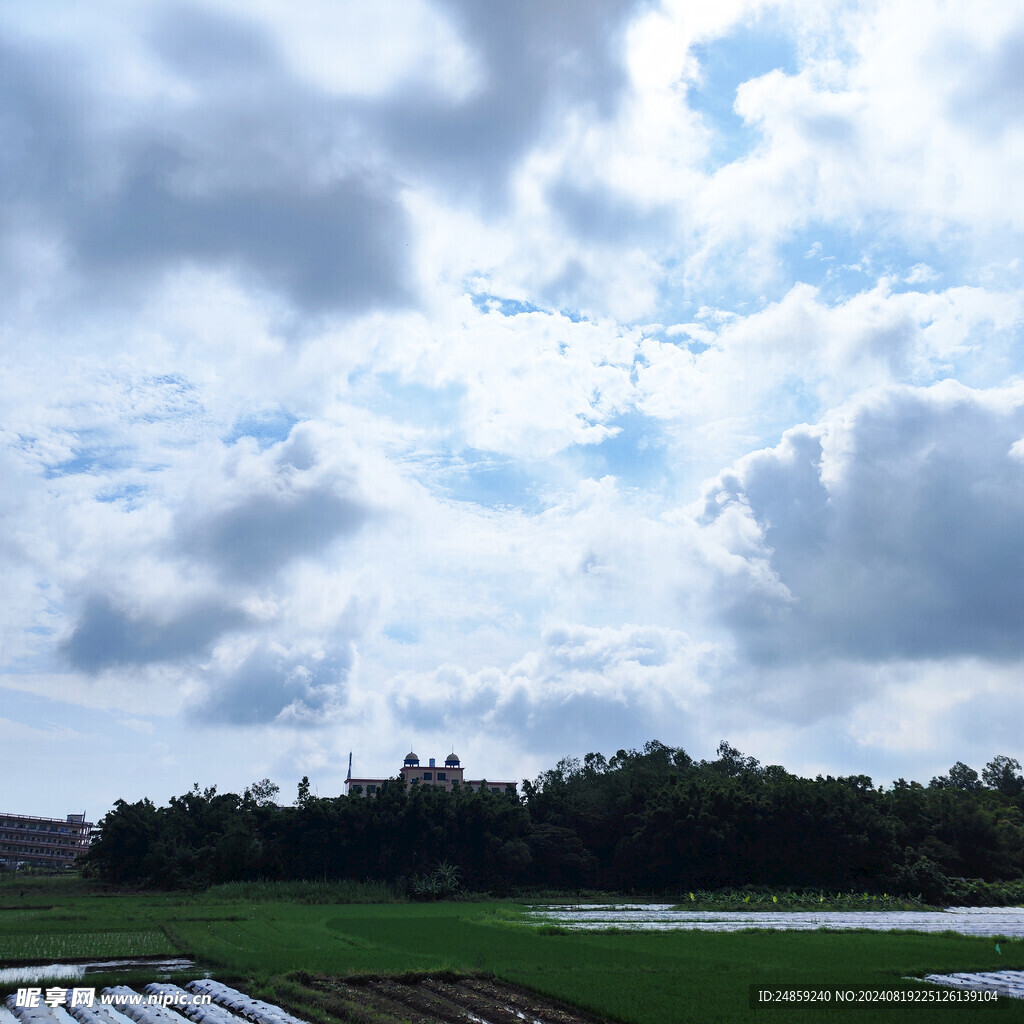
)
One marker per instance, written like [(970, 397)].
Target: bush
[(443, 883)]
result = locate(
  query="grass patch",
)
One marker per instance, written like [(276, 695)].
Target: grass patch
[(269, 945), (641, 977), (553, 929), (313, 893), (34, 888), (60, 946)]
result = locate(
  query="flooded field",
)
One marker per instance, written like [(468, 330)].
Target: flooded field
[(978, 921), (126, 967)]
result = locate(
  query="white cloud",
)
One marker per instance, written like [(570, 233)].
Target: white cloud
[(581, 686), (373, 49), (887, 531), (362, 367), (920, 273)]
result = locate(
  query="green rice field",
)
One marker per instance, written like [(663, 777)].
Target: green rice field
[(267, 941)]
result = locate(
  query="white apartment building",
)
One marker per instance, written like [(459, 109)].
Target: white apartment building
[(27, 841)]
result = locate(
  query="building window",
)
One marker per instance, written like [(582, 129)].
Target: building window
[(442, 776), (371, 789), (428, 776)]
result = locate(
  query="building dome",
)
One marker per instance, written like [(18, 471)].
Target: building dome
[(411, 758), (452, 758)]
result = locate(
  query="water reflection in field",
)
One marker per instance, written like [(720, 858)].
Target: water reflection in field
[(128, 967)]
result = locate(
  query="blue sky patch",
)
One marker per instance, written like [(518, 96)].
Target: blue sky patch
[(750, 51), (488, 303), (488, 479), (91, 459), (126, 493), (408, 401), (841, 264), (635, 455), (268, 427), (400, 634)]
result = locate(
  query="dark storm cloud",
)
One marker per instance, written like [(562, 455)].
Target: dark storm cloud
[(262, 533), (536, 56), (905, 541), (107, 636), (272, 681)]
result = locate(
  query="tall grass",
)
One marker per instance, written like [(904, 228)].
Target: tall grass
[(310, 893), (764, 898)]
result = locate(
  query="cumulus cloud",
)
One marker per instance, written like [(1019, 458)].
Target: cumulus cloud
[(329, 247), (989, 94), (584, 684), (208, 180), (266, 531), (535, 60), (296, 686), (264, 510), (739, 378), (178, 601), (890, 530), (364, 364)]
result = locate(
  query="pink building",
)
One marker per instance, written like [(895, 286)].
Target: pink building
[(431, 774)]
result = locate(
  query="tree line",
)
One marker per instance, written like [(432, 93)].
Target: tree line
[(650, 820)]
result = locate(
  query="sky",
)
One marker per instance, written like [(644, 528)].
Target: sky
[(524, 379)]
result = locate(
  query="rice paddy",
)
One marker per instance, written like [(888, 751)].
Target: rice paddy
[(72, 945), (310, 957)]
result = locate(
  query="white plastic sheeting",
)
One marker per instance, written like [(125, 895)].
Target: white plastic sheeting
[(97, 1014), (983, 921), (141, 1013), (209, 1013), (245, 1006), (1006, 983), (42, 1014)]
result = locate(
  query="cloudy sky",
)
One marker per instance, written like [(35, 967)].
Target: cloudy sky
[(525, 378)]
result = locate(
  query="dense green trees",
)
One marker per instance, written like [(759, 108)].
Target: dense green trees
[(651, 819)]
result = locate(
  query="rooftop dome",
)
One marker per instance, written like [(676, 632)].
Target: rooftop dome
[(452, 758), (410, 757)]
